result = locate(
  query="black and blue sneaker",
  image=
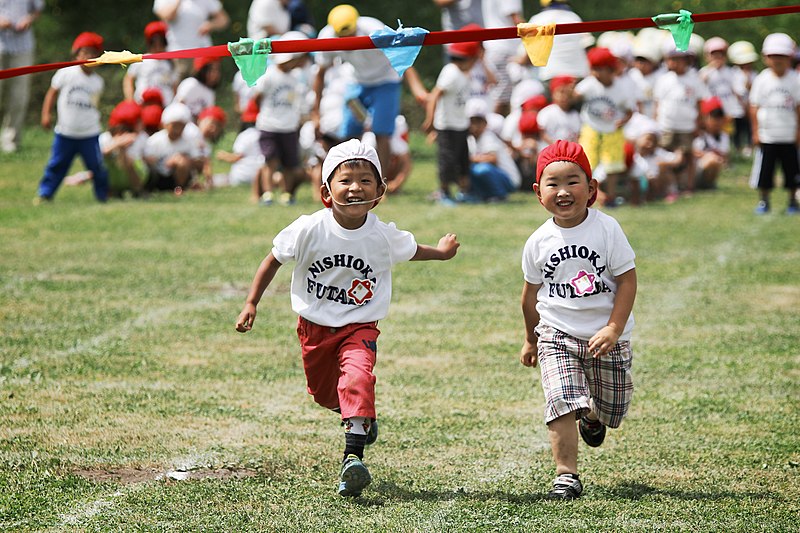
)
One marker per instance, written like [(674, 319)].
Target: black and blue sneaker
[(354, 477)]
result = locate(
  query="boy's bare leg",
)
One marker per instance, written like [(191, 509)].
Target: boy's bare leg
[(563, 433)]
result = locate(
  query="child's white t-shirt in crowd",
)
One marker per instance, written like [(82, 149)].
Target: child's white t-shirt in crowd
[(646, 86), (281, 101), (160, 147), (247, 168), (78, 96), (451, 113), (489, 143), (603, 106), (134, 151), (559, 124), (342, 276), (195, 95), (676, 100), (265, 13), (153, 73), (371, 66), (777, 100), (721, 82), (650, 165), (576, 268), (705, 142), (182, 30)]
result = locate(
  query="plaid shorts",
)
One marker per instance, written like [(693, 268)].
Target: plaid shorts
[(574, 381)]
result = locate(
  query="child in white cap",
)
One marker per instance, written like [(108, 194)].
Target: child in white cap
[(172, 156), (775, 116), (341, 287)]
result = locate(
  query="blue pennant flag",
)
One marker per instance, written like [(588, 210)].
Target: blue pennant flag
[(400, 46)]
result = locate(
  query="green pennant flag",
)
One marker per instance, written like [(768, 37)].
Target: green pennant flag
[(680, 25), (251, 57)]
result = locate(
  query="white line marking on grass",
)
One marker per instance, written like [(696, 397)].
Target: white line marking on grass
[(90, 510)]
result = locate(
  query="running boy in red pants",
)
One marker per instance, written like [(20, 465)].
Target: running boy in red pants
[(341, 287)]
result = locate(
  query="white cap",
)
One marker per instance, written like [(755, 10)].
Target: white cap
[(477, 107), (778, 44), (525, 90), (176, 112), (347, 151), (715, 44), (285, 57), (742, 53)]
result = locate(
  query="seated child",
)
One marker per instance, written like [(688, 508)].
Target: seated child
[(712, 147), (173, 158), (493, 173)]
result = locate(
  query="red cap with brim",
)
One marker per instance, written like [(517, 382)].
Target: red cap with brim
[(601, 57), (201, 62), (710, 104), (151, 116), (535, 103), (125, 113), (87, 39), (155, 28), (528, 124), (560, 81), (214, 112), (467, 49), (562, 150)]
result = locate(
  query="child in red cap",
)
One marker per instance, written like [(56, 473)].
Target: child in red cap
[(152, 73), (712, 145), (580, 285), (341, 287), (77, 91)]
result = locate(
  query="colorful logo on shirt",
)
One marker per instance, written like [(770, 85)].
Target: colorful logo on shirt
[(583, 282), (361, 291)]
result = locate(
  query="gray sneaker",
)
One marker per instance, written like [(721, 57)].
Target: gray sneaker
[(354, 477), (565, 487)]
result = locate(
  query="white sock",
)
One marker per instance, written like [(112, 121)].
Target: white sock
[(357, 425)]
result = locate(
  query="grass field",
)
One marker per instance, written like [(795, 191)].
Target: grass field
[(121, 372)]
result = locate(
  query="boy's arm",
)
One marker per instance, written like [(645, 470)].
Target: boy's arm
[(47, 107), (528, 354), (604, 340), (446, 249), (128, 87), (753, 112), (266, 271), (416, 86), (430, 109)]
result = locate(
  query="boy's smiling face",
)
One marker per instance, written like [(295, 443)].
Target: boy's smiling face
[(564, 191), (353, 189)]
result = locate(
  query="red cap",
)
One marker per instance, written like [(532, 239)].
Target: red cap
[(601, 57), (467, 49), (200, 62), (251, 111), (562, 150), (560, 81), (153, 95), (87, 39), (214, 112), (528, 124), (156, 27), (151, 116), (535, 103), (710, 104), (125, 113)]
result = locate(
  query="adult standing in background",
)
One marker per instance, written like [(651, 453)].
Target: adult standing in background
[(568, 57), (17, 49), (458, 13), (498, 53), (190, 23), (267, 18)]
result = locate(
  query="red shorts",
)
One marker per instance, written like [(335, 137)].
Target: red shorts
[(338, 363)]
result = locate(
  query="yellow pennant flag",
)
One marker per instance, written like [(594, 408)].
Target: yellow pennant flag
[(538, 41)]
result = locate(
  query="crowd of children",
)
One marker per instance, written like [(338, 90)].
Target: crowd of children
[(657, 123)]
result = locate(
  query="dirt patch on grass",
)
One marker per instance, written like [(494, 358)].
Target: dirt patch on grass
[(128, 476)]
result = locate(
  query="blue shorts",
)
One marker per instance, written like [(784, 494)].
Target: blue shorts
[(382, 103)]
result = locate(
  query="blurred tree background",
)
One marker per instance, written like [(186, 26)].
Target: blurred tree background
[(121, 23)]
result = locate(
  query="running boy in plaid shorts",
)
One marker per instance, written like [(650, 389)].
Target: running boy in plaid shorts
[(341, 288), (580, 284)]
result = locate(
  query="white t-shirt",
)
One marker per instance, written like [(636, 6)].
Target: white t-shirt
[(342, 276), (568, 57), (497, 14), (371, 67), (156, 73), (603, 106), (451, 111), (676, 98), (195, 95), (721, 82), (777, 100), (264, 13), (134, 151), (78, 96), (650, 165), (182, 30), (489, 143), (645, 85), (247, 168), (705, 142), (160, 147), (576, 268), (559, 124), (281, 101)]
